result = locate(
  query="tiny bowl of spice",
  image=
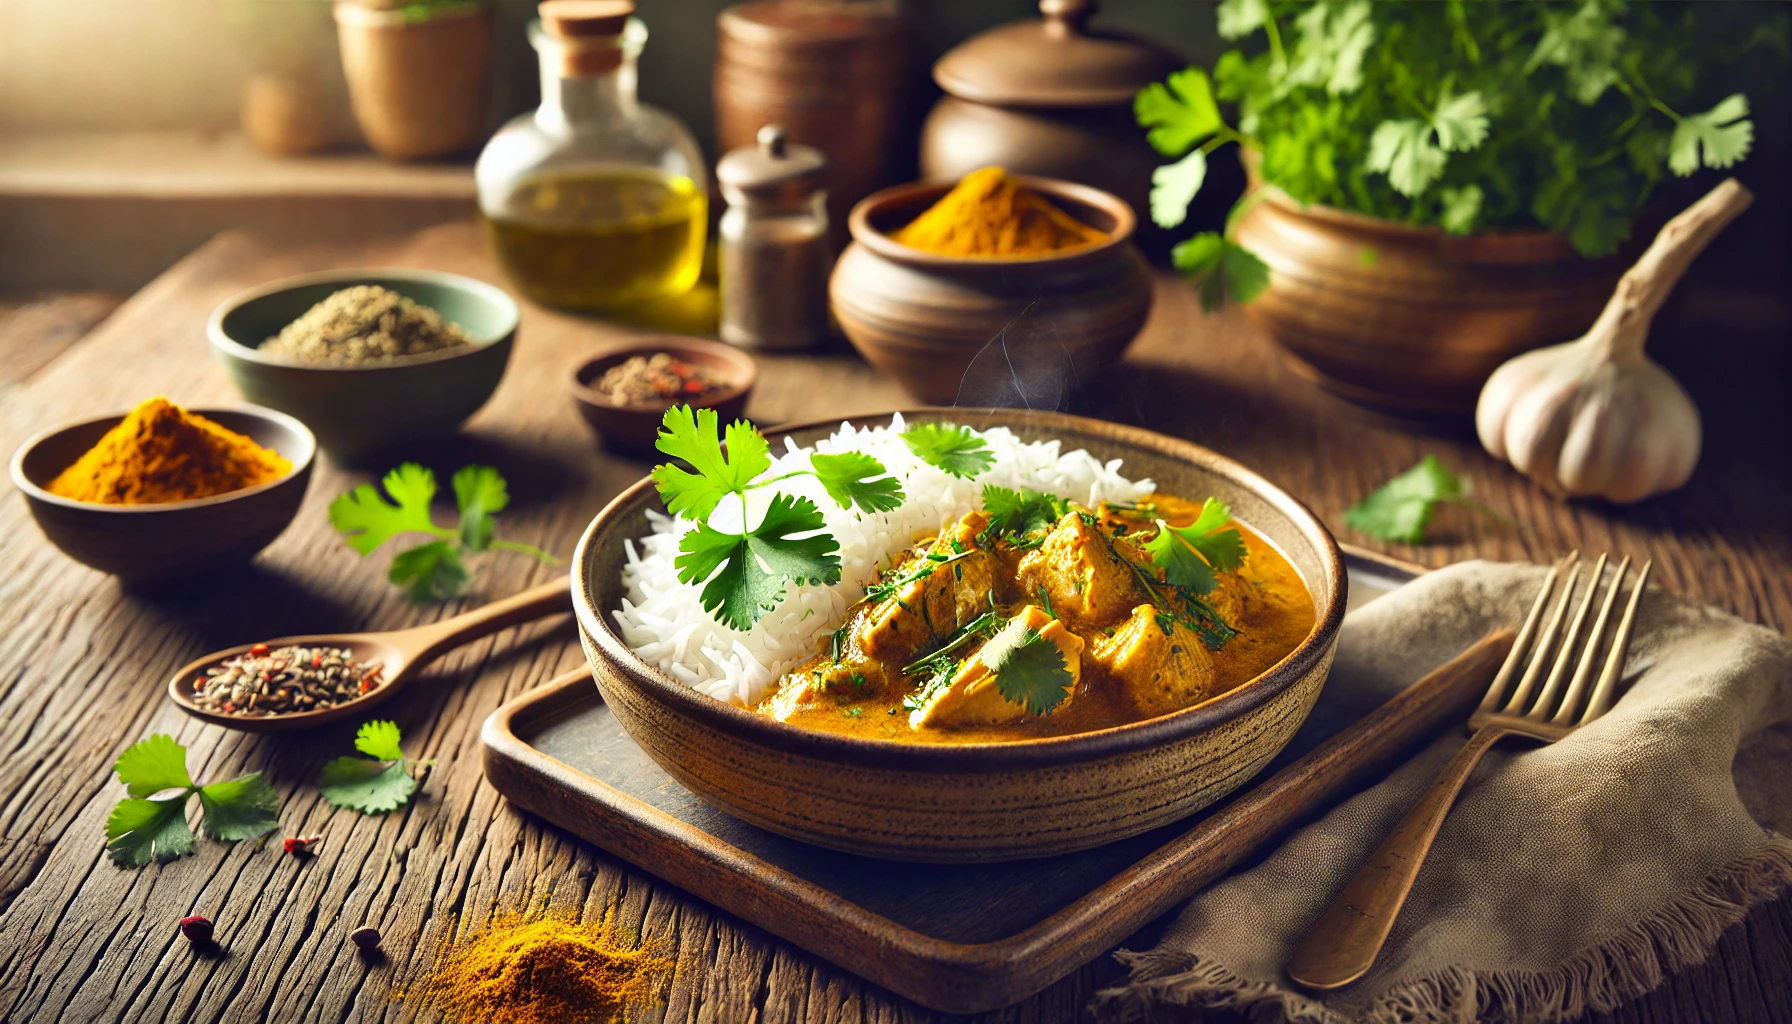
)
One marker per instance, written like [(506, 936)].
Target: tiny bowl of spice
[(936, 270), (624, 392), (374, 361), (162, 493)]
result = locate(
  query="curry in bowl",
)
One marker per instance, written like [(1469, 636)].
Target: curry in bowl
[(1051, 618)]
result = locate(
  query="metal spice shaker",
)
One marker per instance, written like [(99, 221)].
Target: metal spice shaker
[(775, 253)]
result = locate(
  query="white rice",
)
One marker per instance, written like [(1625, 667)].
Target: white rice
[(663, 620)]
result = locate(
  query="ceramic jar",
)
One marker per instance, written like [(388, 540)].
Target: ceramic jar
[(1042, 325), (418, 85)]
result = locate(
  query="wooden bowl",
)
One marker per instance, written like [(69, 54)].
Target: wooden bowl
[(922, 318), (368, 416), (632, 429), (1413, 320), (152, 544), (987, 802)]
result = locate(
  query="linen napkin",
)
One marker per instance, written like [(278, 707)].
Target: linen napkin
[(1568, 877)]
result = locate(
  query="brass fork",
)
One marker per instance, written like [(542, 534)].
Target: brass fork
[(1343, 945)]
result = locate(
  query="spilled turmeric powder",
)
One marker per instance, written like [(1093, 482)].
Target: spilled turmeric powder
[(160, 453), (550, 970), (989, 213)]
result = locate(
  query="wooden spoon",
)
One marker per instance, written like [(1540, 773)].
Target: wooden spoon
[(403, 653)]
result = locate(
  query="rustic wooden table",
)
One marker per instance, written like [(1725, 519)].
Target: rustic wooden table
[(82, 665)]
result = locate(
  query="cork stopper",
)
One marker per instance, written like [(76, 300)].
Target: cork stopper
[(588, 33)]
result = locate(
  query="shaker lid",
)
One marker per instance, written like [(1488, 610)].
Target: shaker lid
[(1056, 62), (775, 167), (571, 19)]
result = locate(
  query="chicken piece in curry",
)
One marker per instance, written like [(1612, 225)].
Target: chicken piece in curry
[(1037, 617)]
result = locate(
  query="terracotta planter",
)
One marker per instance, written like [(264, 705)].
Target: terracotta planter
[(418, 86), (1413, 320)]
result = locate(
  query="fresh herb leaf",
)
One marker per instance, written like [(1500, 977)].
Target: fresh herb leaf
[(1239, 18), (372, 786), (1334, 39), (430, 572), (1461, 206), (1717, 138), (1173, 188), (692, 437), (744, 574), (479, 494), (1016, 516), (950, 448), (1190, 555), (1221, 269), (894, 582), (854, 478), (1029, 669), (1400, 509), (1405, 152), (1179, 112), (366, 520), (140, 829)]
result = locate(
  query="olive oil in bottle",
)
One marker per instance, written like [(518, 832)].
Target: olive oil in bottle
[(601, 239), (594, 201)]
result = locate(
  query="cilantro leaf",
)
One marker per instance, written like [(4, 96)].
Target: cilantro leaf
[(357, 784), (153, 765), (1405, 152), (1223, 548), (368, 520), (1173, 187), (1401, 508), (379, 739), (746, 573), (1178, 112), (1028, 668), (242, 808), (1221, 268), (1334, 39), (854, 478), (692, 437), (1017, 515), (1585, 45), (430, 572), (1239, 18), (479, 493), (1460, 121), (1719, 133), (1181, 565), (139, 831), (949, 447), (1189, 555), (1460, 208)]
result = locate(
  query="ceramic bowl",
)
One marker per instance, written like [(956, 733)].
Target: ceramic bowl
[(631, 430), (151, 544), (366, 415), (924, 318), (988, 802)]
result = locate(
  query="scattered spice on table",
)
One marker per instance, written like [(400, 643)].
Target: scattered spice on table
[(159, 453), (659, 379), (549, 970), (364, 324), (285, 680), (989, 213), (197, 929), (301, 846), (366, 937)]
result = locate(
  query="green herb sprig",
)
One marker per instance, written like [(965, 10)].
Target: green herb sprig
[(1021, 517), (436, 570), (950, 448), (385, 783), (152, 823), (1401, 509), (1190, 555), (1029, 669)]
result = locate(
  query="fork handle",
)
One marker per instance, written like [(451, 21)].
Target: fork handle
[(1342, 946)]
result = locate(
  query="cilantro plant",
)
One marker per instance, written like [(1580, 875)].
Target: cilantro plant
[(1464, 116), (375, 786), (435, 570), (152, 823)]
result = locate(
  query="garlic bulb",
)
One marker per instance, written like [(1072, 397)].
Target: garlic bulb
[(1596, 417)]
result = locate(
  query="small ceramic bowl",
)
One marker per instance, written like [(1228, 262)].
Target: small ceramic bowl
[(631, 429), (923, 318), (364, 415), (976, 802), (152, 544)]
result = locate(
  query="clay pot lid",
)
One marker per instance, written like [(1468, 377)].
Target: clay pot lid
[(774, 168), (1056, 62), (573, 19)]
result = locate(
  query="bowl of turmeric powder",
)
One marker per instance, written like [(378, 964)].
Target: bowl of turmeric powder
[(1040, 271), (161, 493)]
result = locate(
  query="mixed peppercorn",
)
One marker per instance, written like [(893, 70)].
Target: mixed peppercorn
[(285, 680)]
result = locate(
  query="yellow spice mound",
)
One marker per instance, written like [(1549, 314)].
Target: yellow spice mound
[(989, 213), (161, 453)]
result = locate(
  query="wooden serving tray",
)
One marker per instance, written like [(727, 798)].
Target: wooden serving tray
[(956, 938)]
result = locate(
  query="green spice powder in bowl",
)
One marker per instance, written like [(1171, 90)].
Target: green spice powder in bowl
[(439, 351)]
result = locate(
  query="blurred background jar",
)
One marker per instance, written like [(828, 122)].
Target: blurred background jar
[(595, 201), (775, 253)]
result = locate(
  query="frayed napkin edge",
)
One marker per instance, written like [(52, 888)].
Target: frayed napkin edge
[(1623, 967)]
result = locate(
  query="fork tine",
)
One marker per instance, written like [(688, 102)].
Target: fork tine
[(1584, 672), (1552, 687), (1516, 657), (1614, 663), (1545, 643)]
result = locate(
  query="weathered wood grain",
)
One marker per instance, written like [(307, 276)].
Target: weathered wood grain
[(82, 666)]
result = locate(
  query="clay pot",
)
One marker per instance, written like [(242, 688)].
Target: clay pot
[(418, 87), (284, 113), (1413, 320), (925, 319)]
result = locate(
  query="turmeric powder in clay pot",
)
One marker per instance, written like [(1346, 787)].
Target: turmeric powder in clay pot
[(990, 214)]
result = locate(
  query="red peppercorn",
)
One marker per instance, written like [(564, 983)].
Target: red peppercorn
[(300, 844), (259, 649), (197, 929)]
